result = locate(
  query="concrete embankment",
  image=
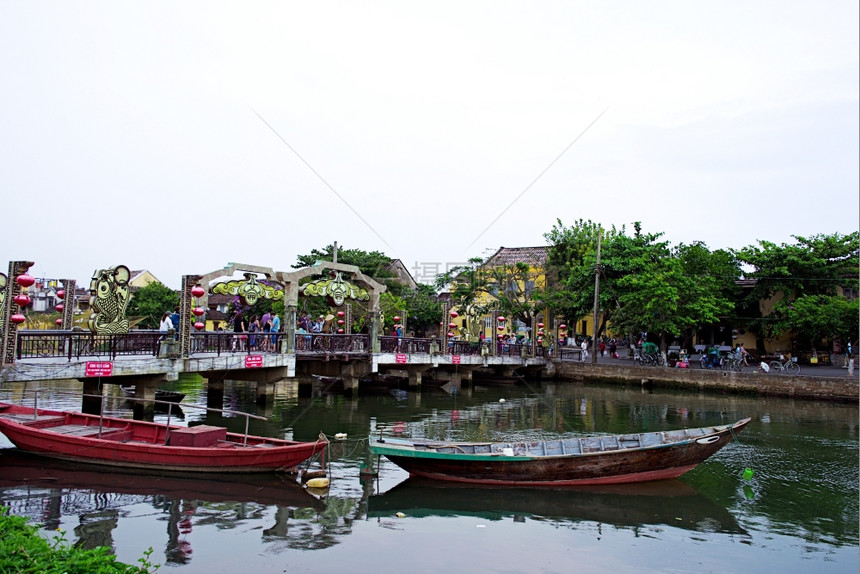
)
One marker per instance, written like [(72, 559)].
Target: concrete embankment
[(812, 387)]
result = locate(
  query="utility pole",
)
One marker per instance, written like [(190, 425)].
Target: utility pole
[(596, 298)]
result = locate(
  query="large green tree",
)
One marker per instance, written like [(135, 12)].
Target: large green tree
[(805, 279), (149, 303)]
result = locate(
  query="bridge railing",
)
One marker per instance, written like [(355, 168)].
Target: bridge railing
[(76, 344), (321, 343)]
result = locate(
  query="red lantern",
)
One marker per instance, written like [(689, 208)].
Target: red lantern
[(22, 300), (61, 294), (397, 318), (198, 311), (450, 334), (454, 314), (60, 307), (540, 325), (340, 321), (198, 291), (341, 314), (500, 328), (499, 335), (24, 280), (340, 331), (562, 326), (59, 322), (199, 325), (17, 318), (501, 319), (539, 340), (452, 325)]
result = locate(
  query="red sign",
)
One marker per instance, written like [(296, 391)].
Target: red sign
[(400, 358), (98, 369), (455, 359), (253, 361)]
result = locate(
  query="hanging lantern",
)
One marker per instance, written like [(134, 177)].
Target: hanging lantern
[(397, 318), (450, 334), (198, 291), (340, 321), (539, 340), (58, 322), (452, 325), (198, 311), (61, 294), (24, 280), (59, 307), (540, 325), (199, 325), (499, 335), (562, 326), (501, 319), (341, 314), (22, 300), (454, 314), (340, 331), (501, 327), (17, 318)]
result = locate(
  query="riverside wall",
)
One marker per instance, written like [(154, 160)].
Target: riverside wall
[(811, 387)]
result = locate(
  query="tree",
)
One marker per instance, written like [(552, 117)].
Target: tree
[(479, 287), (805, 277), (150, 303)]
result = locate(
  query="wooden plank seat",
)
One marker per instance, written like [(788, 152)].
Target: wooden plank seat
[(93, 431), (40, 421)]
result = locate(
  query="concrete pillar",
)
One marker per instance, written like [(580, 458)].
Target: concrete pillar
[(414, 379), (350, 384), (92, 405), (215, 393), (265, 393)]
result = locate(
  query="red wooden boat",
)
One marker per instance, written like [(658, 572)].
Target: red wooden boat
[(619, 459), (139, 444)]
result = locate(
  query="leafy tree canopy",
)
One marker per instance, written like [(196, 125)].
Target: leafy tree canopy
[(150, 303)]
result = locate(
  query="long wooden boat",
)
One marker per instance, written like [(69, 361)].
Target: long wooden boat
[(139, 444), (618, 459)]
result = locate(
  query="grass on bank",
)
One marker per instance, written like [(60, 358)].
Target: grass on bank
[(22, 550)]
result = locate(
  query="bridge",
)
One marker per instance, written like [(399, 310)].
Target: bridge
[(110, 352)]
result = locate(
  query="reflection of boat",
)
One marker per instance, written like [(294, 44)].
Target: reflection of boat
[(670, 502), (141, 444), (328, 380), (635, 457), (160, 394), (21, 469)]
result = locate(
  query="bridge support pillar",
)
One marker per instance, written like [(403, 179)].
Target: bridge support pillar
[(91, 404), (265, 393), (215, 393)]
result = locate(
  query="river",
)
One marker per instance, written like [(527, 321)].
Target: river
[(798, 512)]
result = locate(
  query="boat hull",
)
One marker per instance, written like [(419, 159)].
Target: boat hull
[(617, 466), (138, 444)]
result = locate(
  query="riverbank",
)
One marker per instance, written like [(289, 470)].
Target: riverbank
[(817, 385)]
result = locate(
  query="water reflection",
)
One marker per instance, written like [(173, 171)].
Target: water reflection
[(47, 491), (670, 502)]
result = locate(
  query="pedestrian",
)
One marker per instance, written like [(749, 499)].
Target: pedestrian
[(602, 348), (239, 327), (166, 323), (253, 327), (276, 326), (584, 347), (613, 349)]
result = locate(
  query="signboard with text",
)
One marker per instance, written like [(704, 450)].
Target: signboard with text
[(98, 369), (253, 361), (455, 359), (400, 358)]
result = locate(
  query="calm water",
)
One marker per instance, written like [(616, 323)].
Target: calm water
[(798, 513)]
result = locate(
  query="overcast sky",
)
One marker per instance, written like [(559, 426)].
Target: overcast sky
[(180, 136)]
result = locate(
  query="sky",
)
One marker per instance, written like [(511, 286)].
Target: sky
[(181, 136)]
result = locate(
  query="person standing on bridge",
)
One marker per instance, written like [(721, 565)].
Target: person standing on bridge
[(239, 327), (166, 323)]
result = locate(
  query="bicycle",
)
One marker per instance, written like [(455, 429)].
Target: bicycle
[(785, 365)]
